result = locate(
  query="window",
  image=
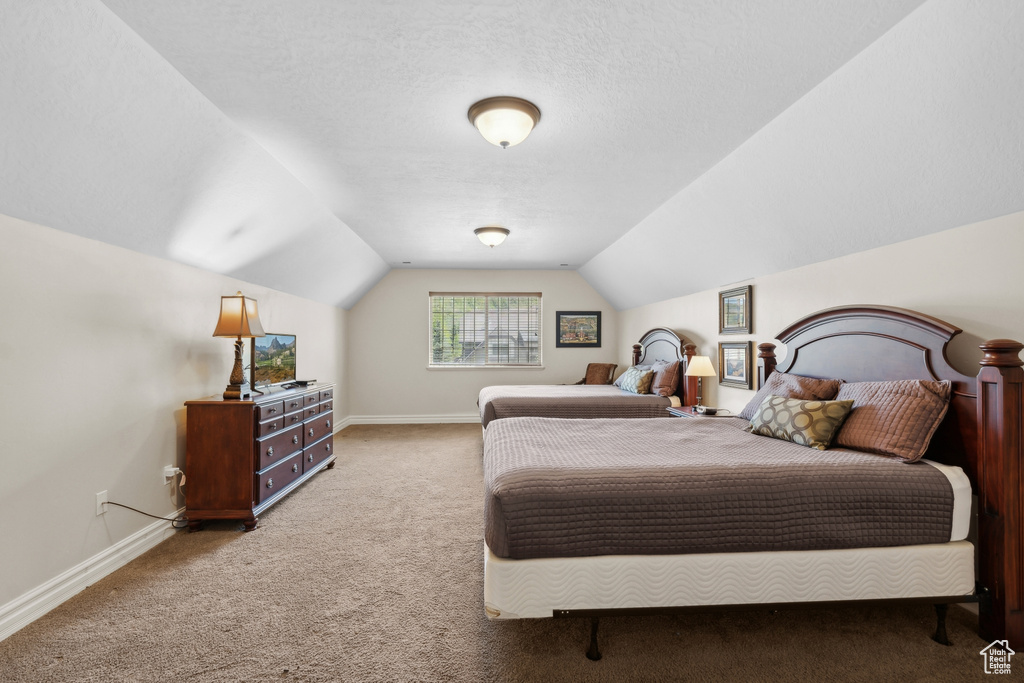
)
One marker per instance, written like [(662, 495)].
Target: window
[(475, 329)]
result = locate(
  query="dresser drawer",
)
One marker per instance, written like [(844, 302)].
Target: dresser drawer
[(269, 411), (326, 394), (326, 406), (311, 411), (311, 399), (316, 428), (317, 453), (292, 419), (277, 424), (273, 448), (278, 477), (293, 403)]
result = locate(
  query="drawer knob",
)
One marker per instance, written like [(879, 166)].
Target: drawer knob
[(328, 424), (270, 452), (311, 431), (273, 426), (295, 467), (327, 447), (310, 457), (295, 438), (270, 483), (273, 410)]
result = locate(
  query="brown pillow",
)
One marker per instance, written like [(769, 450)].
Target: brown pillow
[(893, 418), (600, 373), (792, 386), (666, 378), (809, 423)]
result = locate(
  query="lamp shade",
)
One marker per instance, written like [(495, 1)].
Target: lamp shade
[(238, 317), (492, 235), (504, 121), (700, 366)]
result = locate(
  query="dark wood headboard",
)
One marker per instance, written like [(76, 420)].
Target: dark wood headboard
[(982, 432), (662, 344)]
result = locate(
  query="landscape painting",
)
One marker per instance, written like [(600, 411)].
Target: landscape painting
[(578, 328), (734, 364), (273, 359)]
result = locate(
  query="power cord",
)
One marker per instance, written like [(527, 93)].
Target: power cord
[(173, 520)]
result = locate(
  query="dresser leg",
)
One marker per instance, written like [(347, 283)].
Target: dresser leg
[(195, 524), (250, 523)]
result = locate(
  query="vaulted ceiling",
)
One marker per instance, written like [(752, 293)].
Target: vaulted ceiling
[(310, 146)]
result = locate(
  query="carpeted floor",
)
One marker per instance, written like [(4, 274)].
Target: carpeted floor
[(373, 571)]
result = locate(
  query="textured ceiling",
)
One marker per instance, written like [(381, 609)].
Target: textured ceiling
[(365, 103), (309, 146)]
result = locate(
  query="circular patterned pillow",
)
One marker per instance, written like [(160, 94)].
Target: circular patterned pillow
[(809, 423)]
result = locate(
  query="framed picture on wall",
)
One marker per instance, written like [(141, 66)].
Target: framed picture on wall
[(734, 364), (734, 311), (581, 329)]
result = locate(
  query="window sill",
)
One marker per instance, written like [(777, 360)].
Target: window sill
[(485, 367)]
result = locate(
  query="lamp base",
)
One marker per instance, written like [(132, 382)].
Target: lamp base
[(238, 391)]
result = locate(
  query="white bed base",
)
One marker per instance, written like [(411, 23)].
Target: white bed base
[(521, 589)]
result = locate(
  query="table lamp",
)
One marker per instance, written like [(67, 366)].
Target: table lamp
[(700, 367), (238, 318)]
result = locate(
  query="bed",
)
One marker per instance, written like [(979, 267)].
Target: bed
[(603, 551), (597, 401)]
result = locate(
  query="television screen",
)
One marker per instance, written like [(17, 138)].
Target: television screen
[(273, 359)]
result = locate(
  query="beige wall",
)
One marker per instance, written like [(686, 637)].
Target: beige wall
[(970, 276), (101, 346), (388, 349)]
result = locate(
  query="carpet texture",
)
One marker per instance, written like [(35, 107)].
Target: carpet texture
[(373, 571)]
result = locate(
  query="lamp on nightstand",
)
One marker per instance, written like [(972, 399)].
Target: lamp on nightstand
[(700, 367), (238, 318)]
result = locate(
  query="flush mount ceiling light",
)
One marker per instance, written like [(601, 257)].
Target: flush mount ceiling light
[(504, 121), (491, 235)]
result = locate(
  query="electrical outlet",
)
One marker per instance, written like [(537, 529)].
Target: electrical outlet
[(170, 472), (101, 503)]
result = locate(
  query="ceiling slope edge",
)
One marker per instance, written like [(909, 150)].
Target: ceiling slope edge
[(108, 141), (917, 134)]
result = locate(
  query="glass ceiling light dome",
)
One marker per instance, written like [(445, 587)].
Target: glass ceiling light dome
[(504, 121), (491, 235)]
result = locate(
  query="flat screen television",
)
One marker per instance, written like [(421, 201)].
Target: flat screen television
[(272, 359)]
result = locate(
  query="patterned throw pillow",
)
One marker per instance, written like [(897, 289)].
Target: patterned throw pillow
[(792, 386), (618, 380), (894, 418), (636, 380), (809, 423)]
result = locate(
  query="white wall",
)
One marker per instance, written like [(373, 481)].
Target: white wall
[(101, 347), (389, 343), (971, 276)]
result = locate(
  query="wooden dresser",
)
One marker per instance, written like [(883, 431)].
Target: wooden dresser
[(241, 457)]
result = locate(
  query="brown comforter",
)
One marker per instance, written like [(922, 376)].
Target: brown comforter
[(565, 488), (573, 401)]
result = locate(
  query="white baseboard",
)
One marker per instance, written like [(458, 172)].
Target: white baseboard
[(411, 419), (23, 610)]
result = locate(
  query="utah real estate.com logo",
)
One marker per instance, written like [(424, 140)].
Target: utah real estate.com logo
[(997, 657)]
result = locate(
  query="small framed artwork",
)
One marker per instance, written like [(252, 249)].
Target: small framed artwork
[(734, 311), (734, 364), (272, 359), (581, 329)]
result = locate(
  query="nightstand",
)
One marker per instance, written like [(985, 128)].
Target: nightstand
[(688, 411)]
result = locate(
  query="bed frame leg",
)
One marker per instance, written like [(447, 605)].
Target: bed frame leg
[(940, 636), (593, 654)]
